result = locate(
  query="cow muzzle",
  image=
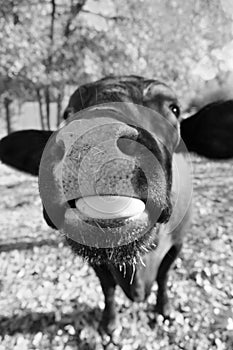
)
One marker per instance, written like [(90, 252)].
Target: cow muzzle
[(102, 179)]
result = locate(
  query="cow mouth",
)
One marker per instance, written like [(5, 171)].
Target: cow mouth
[(108, 207), (109, 212), (104, 228), (107, 221)]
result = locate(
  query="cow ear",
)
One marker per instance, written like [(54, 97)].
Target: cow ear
[(23, 149), (79, 99)]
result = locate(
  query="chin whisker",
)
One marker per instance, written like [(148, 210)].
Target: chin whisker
[(110, 257), (124, 265), (141, 261), (133, 272), (145, 249)]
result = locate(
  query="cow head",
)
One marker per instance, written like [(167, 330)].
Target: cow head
[(106, 174)]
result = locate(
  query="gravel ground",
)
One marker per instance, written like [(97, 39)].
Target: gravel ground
[(50, 299)]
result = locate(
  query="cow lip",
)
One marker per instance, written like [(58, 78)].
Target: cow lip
[(108, 208)]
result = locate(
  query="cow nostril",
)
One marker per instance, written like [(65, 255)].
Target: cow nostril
[(128, 146), (140, 146)]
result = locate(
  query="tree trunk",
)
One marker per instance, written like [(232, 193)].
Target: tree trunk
[(7, 102), (49, 64), (47, 104), (59, 105), (40, 102)]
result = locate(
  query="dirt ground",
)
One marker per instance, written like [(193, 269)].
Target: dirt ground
[(50, 299)]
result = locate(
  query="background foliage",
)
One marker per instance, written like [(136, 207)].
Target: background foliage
[(49, 45)]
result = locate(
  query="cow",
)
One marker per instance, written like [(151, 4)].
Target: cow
[(112, 182)]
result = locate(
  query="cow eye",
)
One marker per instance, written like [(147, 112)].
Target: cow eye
[(175, 110)]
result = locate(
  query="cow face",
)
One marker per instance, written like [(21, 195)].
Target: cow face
[(106, 175)]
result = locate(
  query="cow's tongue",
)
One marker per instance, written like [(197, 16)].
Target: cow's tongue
[(110, 207)]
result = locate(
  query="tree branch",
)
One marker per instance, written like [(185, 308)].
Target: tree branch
[(111, 18), (75, 9)]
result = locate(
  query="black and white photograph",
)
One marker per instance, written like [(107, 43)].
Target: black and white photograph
[(116, 175)]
